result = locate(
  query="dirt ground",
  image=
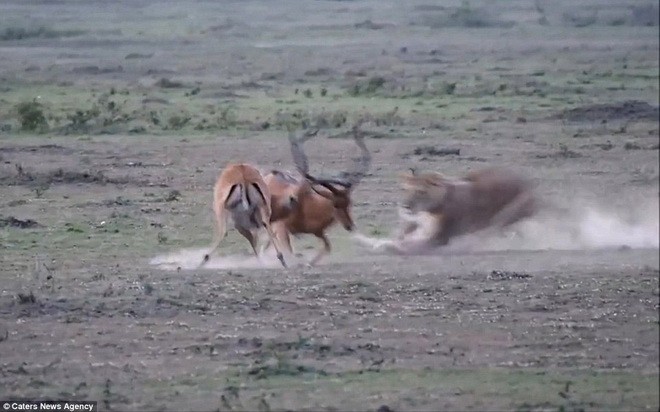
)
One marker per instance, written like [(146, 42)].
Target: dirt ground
[(133, 108)]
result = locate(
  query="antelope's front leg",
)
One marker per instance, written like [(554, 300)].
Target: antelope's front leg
[(265, 219), (282, 236)]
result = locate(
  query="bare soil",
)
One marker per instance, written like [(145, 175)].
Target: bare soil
[(101, 229)]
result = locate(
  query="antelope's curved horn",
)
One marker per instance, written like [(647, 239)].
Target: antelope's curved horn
[(361, 165), (297, 152)]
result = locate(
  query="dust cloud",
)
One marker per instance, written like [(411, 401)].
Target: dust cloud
[(576, 228), (580, 229), (188, 259)]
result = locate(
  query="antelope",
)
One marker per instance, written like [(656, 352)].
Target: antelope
[(241, 193), (313, 205), (436, 209)]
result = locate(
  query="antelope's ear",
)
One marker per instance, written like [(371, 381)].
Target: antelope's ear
[(323, 191)]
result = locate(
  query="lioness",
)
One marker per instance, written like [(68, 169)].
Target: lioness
[(436, 209)]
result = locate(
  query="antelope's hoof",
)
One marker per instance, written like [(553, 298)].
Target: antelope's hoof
[(281, 259)]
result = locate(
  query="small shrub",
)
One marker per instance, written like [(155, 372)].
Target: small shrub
[(25, 298), (330, 120), (445, 88), (578, 19), (166, 83), (40, 189), (296, 119), (354, 90), (194, 91), (390, 118), (81, 117), (172, 196), (227, 118), (177, 122), (338, 119), (32, 117), (371, 86), (374, 83), (153, 116), (73, 228), (78, 121)]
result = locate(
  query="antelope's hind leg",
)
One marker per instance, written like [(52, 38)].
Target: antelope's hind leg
[(221, 232), (251, 236), (265, 219)]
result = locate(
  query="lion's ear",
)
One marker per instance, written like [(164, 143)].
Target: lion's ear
[(406, 176), (408, 173), (434, 179), (410, 181)]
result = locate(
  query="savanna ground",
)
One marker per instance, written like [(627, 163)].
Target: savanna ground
[(116, 118)]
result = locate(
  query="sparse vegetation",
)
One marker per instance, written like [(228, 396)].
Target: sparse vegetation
[(105, 212), (22, 33), (464, 16)]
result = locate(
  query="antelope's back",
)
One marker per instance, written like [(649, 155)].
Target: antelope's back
[(279, 182)]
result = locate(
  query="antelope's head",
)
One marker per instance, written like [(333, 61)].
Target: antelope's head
[(338, 191), (423, 192), (284, 193)]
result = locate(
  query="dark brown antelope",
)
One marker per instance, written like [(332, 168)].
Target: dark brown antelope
[(312, 204)]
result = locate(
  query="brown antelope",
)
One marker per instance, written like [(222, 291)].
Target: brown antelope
[(241, 193), (312, 205), (442, 208)]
